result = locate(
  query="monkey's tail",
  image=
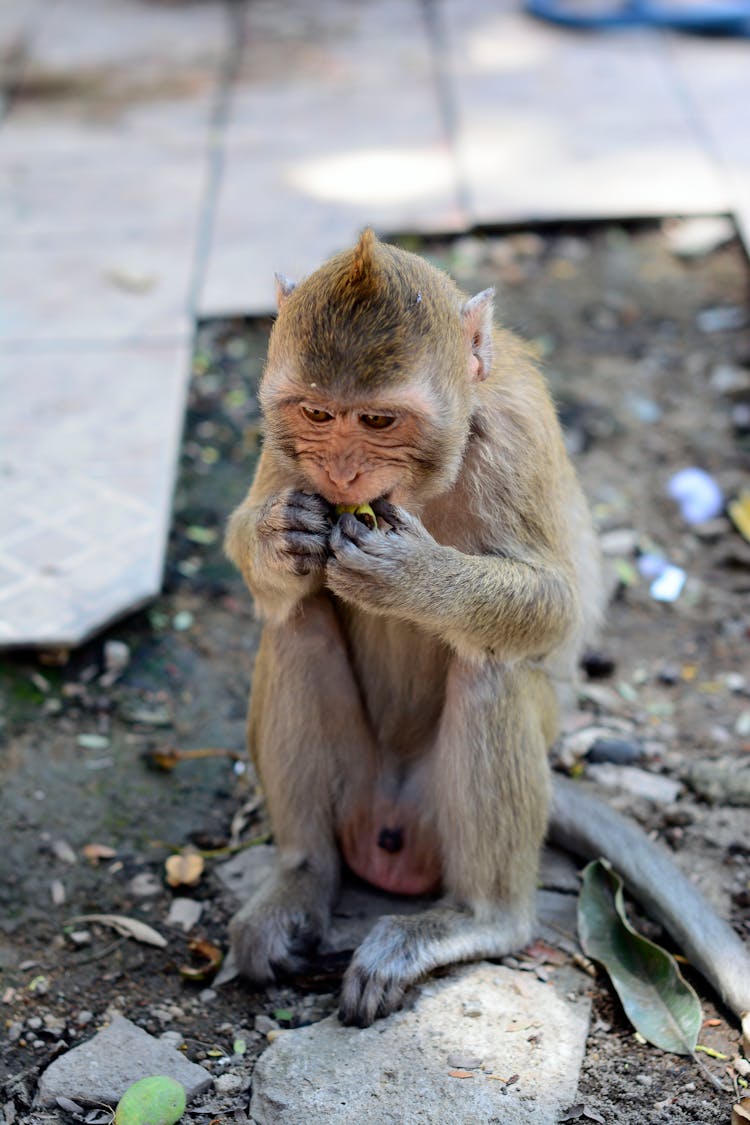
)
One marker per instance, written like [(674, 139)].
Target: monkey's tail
[(582, 824)]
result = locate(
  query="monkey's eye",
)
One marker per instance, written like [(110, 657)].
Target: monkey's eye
[(318, 416), (377, 421)]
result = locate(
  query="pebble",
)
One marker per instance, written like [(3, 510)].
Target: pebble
[(653, 786), (621, 542), (172, 1038), (228, 1084), (206, 995), (34, 1023), (698, 237), (264, 1024), (84, 1017), (722, 318), (620, 751), (726, 379), (14, 1031), (145, 884), (184, 912), (116, 656), (465, 1062)]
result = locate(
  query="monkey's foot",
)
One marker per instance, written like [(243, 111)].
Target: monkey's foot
[(387, 962), (269, 938)]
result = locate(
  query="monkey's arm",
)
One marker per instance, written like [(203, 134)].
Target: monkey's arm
[(278, 538), (479, 604), (582, 824)]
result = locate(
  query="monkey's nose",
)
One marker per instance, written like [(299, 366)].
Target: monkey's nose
[(342, 475)]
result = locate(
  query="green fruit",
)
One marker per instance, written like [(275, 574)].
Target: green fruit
[(151, 1101), (362, 512)]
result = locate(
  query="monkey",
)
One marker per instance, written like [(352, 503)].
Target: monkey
[(405, 692)]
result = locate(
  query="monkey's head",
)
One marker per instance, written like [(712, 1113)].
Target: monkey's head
[(372, 371)]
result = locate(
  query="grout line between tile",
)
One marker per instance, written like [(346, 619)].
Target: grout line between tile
[(439, 48), (216, 155)]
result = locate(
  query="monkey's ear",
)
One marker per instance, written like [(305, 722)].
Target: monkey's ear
[(476, 316), (283, 288)]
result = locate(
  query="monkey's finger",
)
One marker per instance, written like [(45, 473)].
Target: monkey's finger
[(398, 518), (345, 549), (351, 528)]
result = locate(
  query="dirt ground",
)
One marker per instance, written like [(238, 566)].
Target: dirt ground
[(648, 356)]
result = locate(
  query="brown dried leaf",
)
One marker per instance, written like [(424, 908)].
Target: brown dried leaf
[(210, 955), (741, 1112), (94, 852), (185, 869), (460, 1074)]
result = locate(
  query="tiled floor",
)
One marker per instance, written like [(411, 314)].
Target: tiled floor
[(160, 160)]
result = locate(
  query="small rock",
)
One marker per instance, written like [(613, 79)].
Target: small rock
[(229, 1084), (741, 418), (653, 786), (597, 665), (697, 237), (172, 1038), (79, 938), (116, 656), (206, 995), (63, 851), (472, 1009), (264, 1024), (84, 1017), (34, 1023), (742, 725), (145, 884), (617, 750), (185, 913), (721, 783), (722, 318), (619, 543), (742, 1066), (14, 1031), (102, 1069), (727, 379)]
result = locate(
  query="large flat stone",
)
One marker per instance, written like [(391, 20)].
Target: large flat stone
[(89, 458), (334, 124), (502, 1023), (100, 1070), (552, 125)]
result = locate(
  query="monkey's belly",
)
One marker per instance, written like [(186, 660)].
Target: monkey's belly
[(384, 843)]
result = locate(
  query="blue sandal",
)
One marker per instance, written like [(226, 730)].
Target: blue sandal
[(714, 17)]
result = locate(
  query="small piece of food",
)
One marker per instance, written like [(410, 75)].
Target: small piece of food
[(362, 512), (151, 1101)]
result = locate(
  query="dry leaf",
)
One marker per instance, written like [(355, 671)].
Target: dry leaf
[(210, 955), (739, 511), (460, 1074), (94, 852), (128, 927), (741, 1112), (185, 869)]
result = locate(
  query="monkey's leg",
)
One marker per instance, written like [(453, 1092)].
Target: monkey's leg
[(489, 785), (305, 722)]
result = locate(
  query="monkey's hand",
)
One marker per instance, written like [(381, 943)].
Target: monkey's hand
[(278, 930), (376, 569), (292, 533)]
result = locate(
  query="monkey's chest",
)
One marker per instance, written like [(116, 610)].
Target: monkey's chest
[(401, 672)]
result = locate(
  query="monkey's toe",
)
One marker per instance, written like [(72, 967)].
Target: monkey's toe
[(365, 997)]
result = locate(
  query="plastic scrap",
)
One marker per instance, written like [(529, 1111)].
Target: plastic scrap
[(698, 495)]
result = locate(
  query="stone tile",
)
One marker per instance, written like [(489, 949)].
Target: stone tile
[(97, 289), (88, 463), (558, 126), (43, 195), (716, 78), (402, 1068), (80, 35), (334, 124)]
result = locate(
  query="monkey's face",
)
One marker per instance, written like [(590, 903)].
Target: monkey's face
[(354, 452)]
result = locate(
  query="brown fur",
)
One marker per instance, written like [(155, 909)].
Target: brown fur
[(406, 671)]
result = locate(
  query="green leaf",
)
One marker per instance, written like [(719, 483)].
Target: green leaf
[(657, 1000)]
